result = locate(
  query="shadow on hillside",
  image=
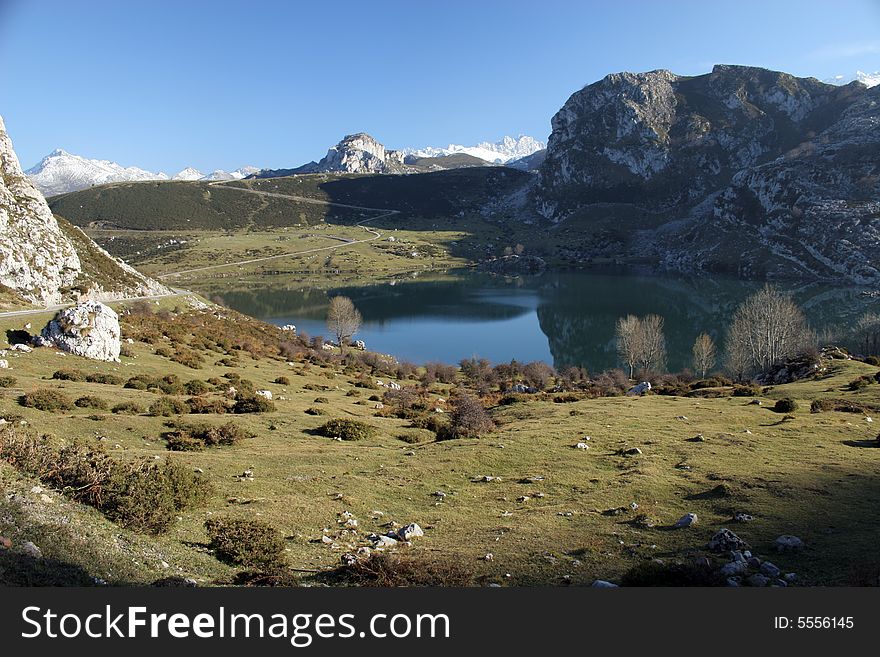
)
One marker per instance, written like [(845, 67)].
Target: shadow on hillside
[(18, 569)]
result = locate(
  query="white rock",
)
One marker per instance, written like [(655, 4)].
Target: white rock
[(267, 394), (686, 521), (582, 446), (4, 364), (89, 329), (21, 347), (31, 550), (410, 531)]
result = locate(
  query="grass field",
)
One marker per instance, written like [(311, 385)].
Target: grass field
[(555, 514)]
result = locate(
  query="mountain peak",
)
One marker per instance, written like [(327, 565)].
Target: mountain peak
[(499, 152)]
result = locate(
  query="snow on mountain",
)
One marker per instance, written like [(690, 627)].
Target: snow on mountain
[(188, 174), (61, 172), (868, 79), (499, 152)]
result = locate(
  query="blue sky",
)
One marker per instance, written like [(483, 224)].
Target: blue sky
[(163, 84)]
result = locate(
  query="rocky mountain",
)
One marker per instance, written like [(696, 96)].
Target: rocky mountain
[(43, 260), (500, 152), (741, 170), (867, 79), (358, 153), (61, 172)]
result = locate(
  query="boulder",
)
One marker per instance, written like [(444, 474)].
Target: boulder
[(360, 344), (4, 364), (410, 531), (639, 389), (725, 540), (265, 394), (788, 543), (89, 329), (686, 521)]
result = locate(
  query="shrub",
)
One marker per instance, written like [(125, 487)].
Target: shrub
[(414, 436), (254, 404), (195, 437), (46, 399), (282, 381), (128, 408), (196, 387), (746, 391), (126, 351), (840, 405), (203, 405), (314, 410), (167, 406), (430, 421), (69, 375), (249, 543), (347, 430), (861, 382), (395, 570), (652, 573), (91, 401), (7, 381), (142, 494), (468, 419), (786, 405), (322, 400), (106, 379)]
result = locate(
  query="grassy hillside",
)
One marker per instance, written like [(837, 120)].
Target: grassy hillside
[(188, 206), (552, 515)]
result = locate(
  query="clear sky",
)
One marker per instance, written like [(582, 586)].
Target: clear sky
[(167, 84)]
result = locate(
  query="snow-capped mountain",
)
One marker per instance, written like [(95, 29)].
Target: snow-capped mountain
[(61, 172), (868, 79), (499, 152), (188, 174)]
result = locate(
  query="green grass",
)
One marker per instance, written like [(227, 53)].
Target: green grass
[(814, 475)]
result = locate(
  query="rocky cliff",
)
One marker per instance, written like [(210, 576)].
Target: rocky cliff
[(358, 153), (42, 261), (742, 170)]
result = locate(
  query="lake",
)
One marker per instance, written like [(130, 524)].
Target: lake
[(562, 318)]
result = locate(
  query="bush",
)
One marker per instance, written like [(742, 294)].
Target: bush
[(196, 387), (167, 406), (91, 401), (746, 391), (861, 382), (468, 419), (282, 381), (7, 381), (347, 430), (840, 405), (254, 404), (314, 410), (415, 436), (249, 543), (872, 360), (203, 405), (651, 573), (322, 400), (106, 379), (395, 570), (127, 408), (46, 399), (786, 405), (142, 494), (195, 437), (69, 375), (431, 421)]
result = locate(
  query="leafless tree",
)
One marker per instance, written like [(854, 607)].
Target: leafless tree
[(627, 341), (343, 320), (767, 328), (867, 333), (651, 343), (704, 354)]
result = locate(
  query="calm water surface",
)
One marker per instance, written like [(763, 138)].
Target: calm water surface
[(561, 318)]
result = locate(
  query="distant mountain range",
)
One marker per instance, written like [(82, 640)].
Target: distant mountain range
[(61, 172), (867, 79), (500, 152)]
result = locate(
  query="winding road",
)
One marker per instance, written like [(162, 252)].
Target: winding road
[(303, 199)]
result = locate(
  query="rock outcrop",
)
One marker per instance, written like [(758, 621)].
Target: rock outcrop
[(358, 153), (89, 329), (44, 259), (36, 259), (742, 170)]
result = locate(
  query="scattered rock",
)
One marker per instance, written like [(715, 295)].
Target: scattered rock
[(4, 364), (582, 446), (686, 521), (734, 568), (770, 570), (265, 394), (633, 451), (409, 532), (725, 540), (758, 580), (603, 584), (788, 543), (22, 347), (739, 516), (31, 550)]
